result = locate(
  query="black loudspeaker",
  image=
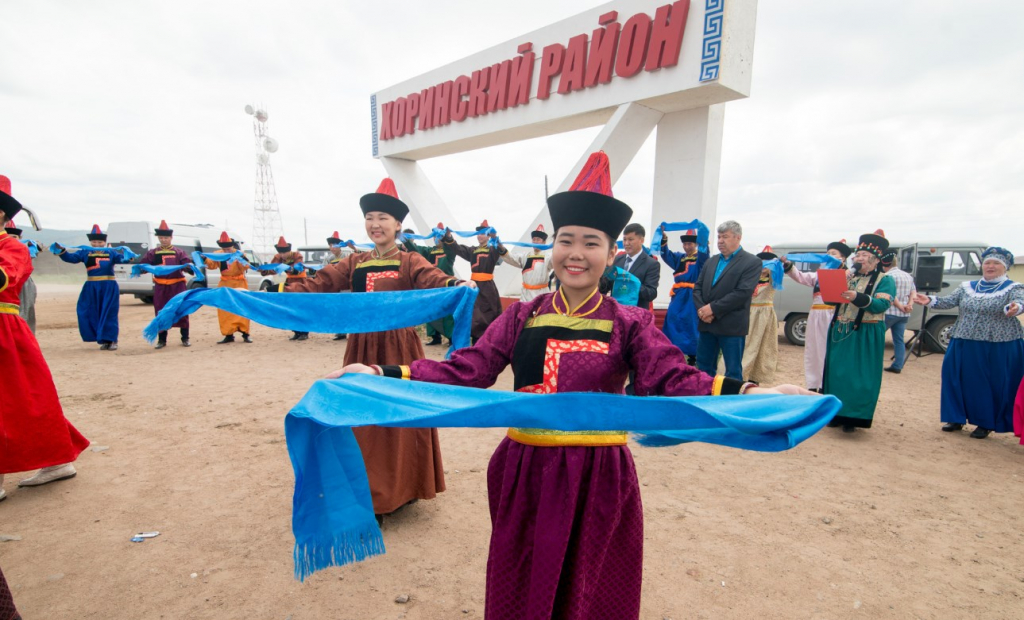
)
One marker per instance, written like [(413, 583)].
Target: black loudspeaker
[(928, 278)]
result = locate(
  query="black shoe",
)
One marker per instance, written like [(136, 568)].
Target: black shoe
[(952, 427), (185, 342), (340, 336), (294, 337), (834, 424), (227, 339), (245, 338), (980, 433), (433, 341), (302, 337), (160, 345), (105, 346), (893, 370), (112, 346), (849, 429), (380, 520)]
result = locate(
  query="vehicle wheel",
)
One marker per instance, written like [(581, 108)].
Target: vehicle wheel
[(941, 330), (146, 299), (264, 285), (796, 329), (194, 284)]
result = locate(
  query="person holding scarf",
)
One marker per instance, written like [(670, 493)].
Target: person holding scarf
[(27, 307), (681, 317), (984, 362), (165, 287), (334, 257), (285, 256), (819, 318), (34, 434), (437, 257), (403, 464), (232, 275), (761, 348), (856, 336), (536, 266), (100, 301), (482, 259), (567, 522)]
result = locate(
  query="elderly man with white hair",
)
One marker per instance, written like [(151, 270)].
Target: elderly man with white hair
[(722, 297), (984, 362)]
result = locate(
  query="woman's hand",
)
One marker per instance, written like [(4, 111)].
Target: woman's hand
[(362, 369), (1012, 309), (922, 299), (467, 284), (849, 295), (785, 388)]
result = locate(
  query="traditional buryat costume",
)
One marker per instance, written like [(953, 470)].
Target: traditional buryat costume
[(165, 287), (681, 317), (334, 241), (482, 260), (437, 257), (27, 307), (33, 430), (99, 302), (856, 341), (536, 266), (761, 348), (567, 522), (285, 256), (818, 320), (984, 362), (232, 275), (403, 464)]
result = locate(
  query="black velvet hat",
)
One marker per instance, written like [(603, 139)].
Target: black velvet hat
[(385, 200), (689, 237), (874, 243), (12, 230), (96, 234), (539, 233), (8, 204), (589, 201), (163, 230), (225, 241), (334, 239), (841, 247), (282, 246), (767, 254)]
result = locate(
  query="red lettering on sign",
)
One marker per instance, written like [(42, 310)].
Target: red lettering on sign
[(442, 104), (667, 35), (497, 94), (601, 61), (460, 107), (550, 66), (608, 18), (524, 47), (574, 66), (633, 45), (398, 118), (520, 80), (413, 110), (385, 120), (427, 108), (478, 92)]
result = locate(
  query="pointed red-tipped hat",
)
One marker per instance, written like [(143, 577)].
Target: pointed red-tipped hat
[(282, 245), (841, 247), (163, 230), (589, 201), (766, 253), (225, 240), (385, 200), (483, 226), (97, 234), (12, 228), (539, 233), (874, 243), (8, 205), (690, 236), (334, 239)]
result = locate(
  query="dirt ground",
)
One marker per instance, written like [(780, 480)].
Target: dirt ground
[(900, 521)]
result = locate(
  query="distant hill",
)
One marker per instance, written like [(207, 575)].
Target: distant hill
[(47, 264), (49, 235)]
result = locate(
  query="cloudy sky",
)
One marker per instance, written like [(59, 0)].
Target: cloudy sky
[(900, 115)]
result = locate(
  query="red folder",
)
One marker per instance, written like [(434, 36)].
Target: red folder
[(832, 283)]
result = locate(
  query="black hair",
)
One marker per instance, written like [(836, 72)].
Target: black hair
[(636, 229)]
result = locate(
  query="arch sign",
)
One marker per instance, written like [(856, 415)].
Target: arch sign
[(629, 65)]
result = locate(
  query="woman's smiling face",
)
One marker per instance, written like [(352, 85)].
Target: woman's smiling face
[(580, 256)]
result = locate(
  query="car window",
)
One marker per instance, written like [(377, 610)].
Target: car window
[(961, 263), (973, 264)]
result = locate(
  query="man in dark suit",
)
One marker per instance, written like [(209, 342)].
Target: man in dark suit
[(722, 297), (637, 262)]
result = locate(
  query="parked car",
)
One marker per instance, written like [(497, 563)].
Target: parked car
[(962, 263)]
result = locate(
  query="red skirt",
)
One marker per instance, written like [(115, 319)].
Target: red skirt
[(33, 430)]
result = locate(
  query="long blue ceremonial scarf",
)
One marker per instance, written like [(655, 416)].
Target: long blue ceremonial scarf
[(220, 257), (777, 272), (703, 234), (165, 270), (332, 511), (125, 252), (625, 287), (279, 268), (328, 313), (365, 246), (829, 261), (646, 250), (33, 247)]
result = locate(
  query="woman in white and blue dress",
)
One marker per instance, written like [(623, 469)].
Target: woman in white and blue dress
[(984, 362)]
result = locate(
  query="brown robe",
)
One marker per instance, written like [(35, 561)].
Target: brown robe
[(402, 464), (482, 260)]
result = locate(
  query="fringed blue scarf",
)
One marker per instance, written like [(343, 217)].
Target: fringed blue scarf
[(33, 247), (125, 252), (625, 287), (328, 313), (332, 511), (166, 270), (703, 234), (777, 271), (826, 260)]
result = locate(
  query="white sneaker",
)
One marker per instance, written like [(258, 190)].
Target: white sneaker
[(50, 474), (3, 495)]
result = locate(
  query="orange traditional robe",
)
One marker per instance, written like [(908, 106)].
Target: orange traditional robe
[(232, 275)]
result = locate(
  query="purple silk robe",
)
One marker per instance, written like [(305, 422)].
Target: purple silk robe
[(167, 287), (567, 522)]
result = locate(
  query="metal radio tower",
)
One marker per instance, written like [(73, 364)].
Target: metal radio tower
[(266, 217)]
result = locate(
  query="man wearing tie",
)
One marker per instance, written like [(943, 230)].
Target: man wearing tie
[(637, 262)]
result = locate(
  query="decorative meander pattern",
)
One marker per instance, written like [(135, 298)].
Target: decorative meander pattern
[(711, 50)]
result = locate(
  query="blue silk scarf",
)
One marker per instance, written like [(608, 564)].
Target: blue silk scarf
[(829, 261), (33, 247), (166, 270), (125, 252), (328, 313), (777, 271), (703, 234), (332, 511)]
